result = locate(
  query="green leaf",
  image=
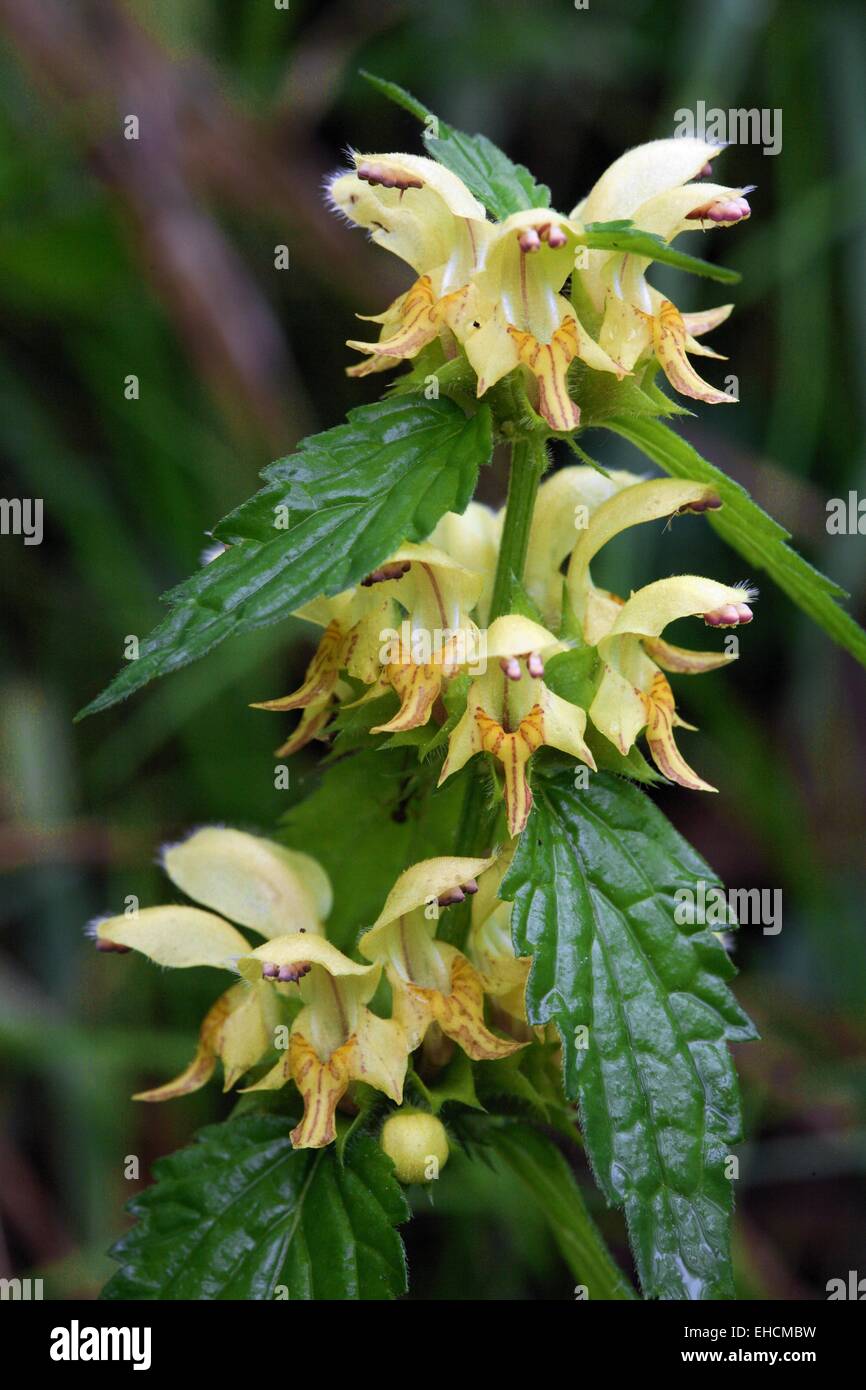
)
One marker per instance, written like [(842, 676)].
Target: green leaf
[(241, 1213), (370, 816), (746, 527), (501, 185), (593, 880), (392, 91), (549, 1182), (632, 241), (330, 513)]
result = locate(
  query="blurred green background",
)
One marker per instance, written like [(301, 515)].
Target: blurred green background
[(157, 258)]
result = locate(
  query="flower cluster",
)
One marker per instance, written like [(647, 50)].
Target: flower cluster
[(498, 290), (511, 711), (334, 1037), (426, 633)]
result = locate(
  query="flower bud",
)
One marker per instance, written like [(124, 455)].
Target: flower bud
[(416, 1144)]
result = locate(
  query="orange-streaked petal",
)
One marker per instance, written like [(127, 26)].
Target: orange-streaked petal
[(513, 751), (460, 1014), (417, 688), (312, 724), (322, 1086), (321, 676), (201, 1068), (660, 738), (669, 337), (548, 363)]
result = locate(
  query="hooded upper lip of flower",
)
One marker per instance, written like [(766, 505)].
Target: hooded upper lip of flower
[(431, 981), (496, 288), (510, 712), (634, 693)]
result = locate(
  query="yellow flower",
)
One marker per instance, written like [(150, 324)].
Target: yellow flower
[(254, 883), (352, 621), (524, 320), (436, 637), (406, 628), (335, 1039), (510, 713), (634, 693), (425, 215), (650, 186), (495, 289), (432, 982)]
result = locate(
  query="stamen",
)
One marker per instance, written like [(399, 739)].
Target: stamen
[(392, 571), (731, 615), (290, 974), (388, 178), (529, 240), (535, 665), (706, 171), (722, 210), (453, 895), (556, 237), (511, 666), (114, 946), (470, 886), (269, 970), (703, 504)]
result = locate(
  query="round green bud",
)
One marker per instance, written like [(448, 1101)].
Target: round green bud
[(417, 1145)]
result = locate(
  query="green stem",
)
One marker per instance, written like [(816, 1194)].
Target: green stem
[(548, 1180), (528, 462)]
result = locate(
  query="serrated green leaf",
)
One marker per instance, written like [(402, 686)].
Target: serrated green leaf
[(746, 527), (241, 1213), (593, 880), (502, 186), (392, 91), (329, 514), (495, 180), (548, 1181), (632, 241)]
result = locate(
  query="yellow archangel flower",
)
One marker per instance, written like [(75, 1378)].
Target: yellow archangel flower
[(651, 186), (335, 1039), (432, 982), (249, 881), (510, 713), (405, 628), (492, 288), (495, 289), (634, 692)]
